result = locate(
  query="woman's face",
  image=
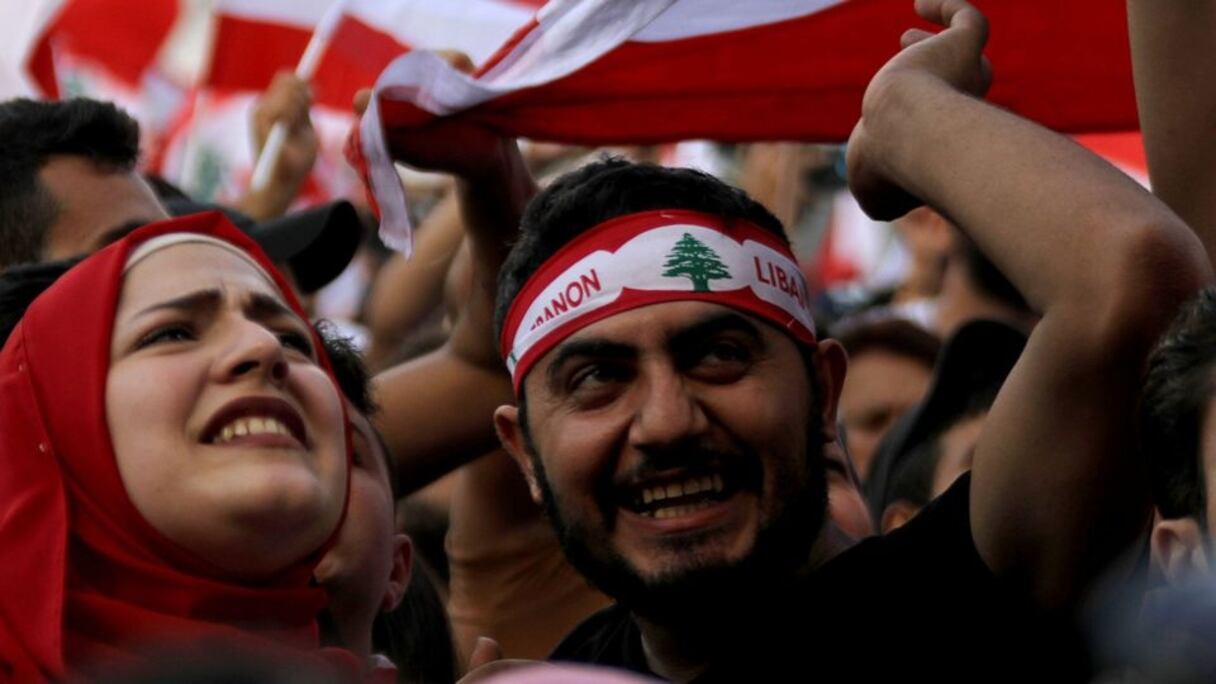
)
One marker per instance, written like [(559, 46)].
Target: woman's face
[(228, 435)]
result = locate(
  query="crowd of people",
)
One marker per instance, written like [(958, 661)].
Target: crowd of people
[(603, 426)]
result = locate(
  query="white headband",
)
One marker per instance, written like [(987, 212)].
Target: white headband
[(144, 249), (651, 257)]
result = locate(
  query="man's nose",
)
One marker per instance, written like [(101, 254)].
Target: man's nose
[(668, 411)]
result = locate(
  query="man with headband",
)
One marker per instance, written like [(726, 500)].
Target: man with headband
[(673, 401)]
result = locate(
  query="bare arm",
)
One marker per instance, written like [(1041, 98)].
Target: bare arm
[(1173, 62), (288, 99), (1057, 489), (406, 290), (437, 410)]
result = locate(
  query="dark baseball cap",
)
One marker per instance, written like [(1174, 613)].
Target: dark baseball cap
[(971, 368), (316, 244)]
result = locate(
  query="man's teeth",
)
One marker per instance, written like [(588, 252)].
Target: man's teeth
[(251, 426), (680, 498), (708, 483), (674, 511)]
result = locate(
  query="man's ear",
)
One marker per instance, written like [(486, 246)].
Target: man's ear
[(896, 514), (510, 433), (1180, 549), (400, 573), (831, 362)]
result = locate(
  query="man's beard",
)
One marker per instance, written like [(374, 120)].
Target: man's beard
[(704, 588)]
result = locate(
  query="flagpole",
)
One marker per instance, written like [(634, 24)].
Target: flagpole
[(305, 70)]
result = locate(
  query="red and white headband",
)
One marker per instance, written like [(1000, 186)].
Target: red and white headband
[(651, 257)]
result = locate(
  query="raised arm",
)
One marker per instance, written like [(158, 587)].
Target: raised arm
[(406, 291), (1057, 489), (1173, 61), (437, 410)]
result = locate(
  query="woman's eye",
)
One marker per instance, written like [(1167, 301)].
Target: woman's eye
[(296, 341), (176, 332)]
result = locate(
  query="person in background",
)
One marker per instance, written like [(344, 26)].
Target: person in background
[(890, 364)]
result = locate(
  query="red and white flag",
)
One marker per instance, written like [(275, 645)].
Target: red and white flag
[(211, 153), (26, 66), (659, 70)]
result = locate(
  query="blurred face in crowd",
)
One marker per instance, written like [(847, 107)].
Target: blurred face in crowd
[(846, 506), (880, 387), (673, 444), (228, 435), (955, 453), (96, 205), (368, 569)]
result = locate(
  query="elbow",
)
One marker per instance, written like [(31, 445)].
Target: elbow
[(1156, 267)]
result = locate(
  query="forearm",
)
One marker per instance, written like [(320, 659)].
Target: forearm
[(1173, 64), (491, 205), (406, 291), (1064, 226), (270, 202)]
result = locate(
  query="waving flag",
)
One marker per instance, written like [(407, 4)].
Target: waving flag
[(210, 154), (659, 70), (26, 67), (210, 151)]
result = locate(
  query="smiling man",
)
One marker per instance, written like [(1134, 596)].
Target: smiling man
[(674, 402)]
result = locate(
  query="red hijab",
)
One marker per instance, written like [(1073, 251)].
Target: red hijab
[(84, 577)]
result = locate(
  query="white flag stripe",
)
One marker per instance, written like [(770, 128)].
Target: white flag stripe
[(570, 35), (690, 18), (302, 14), (474, 27), (22, 25)]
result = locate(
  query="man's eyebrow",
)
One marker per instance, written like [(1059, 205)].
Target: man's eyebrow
[(593, 348), (712, 325)]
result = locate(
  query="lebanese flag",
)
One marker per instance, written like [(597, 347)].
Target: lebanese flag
[(257, 38), (26, 63), (653, 71), (123, 39), (210, 151)]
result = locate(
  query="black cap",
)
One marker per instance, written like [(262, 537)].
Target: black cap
[(316, 244), (973, 364)]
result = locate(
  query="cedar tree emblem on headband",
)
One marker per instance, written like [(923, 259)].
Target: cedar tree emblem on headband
[(694, 260)]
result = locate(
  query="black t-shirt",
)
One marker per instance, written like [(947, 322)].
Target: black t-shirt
[(918, 602)]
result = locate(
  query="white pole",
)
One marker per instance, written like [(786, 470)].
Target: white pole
[(269, 158)]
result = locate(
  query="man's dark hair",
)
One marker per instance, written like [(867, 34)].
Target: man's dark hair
[(349, 369), (354, 381), (1177, 390), (605, 189), (417, 635), (33, 131), (896, 335)]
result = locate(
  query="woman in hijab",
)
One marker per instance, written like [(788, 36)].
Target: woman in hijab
[(173, 457)]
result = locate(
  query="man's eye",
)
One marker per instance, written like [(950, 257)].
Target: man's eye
[(726, 350), (595, 376), (166, 334)]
